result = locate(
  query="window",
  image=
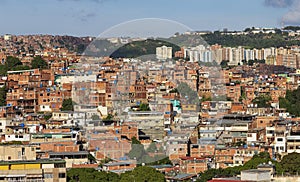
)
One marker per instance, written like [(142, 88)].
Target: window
[(48, 175), (279, 139), (281, 148), (59, 165), (61, 175)]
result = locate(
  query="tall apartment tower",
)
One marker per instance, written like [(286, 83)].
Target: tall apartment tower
[(164, 52)]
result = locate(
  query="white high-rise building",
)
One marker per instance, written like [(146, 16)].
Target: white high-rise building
[(164, 52), (237, 56), (206, 56), (248, 54)]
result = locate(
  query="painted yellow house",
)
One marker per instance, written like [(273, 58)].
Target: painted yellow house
[(34, 170)]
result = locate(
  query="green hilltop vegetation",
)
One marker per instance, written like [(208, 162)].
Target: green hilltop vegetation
[(140, 48), (293, 28), (251, 40), (260, 40)]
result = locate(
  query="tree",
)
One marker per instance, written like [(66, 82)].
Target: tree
[(204, 98), (134, 140), (262, 101), (108, 117), (39, 62), (174, 91), (92, 159), (142, 173), (291, 102), (20, 67), (3, 69), (293, 28), (3, 92), (47, 116), (291, 163), (67, 105), (90, 175), (12, 62), (243, 95), (144, 107)]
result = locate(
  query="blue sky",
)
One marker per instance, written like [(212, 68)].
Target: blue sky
[(91, 17)]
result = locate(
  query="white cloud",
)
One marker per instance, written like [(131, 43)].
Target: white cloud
[(293, 15)]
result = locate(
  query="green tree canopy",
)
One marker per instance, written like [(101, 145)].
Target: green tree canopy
[(67, 105), (291, 102), (141, 174), (291, 163), (224, 63), (108, 117), (134, 140), (262, 101), (3, 92), (144, 107), (12, 62), (39, 62), (90, 175)]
